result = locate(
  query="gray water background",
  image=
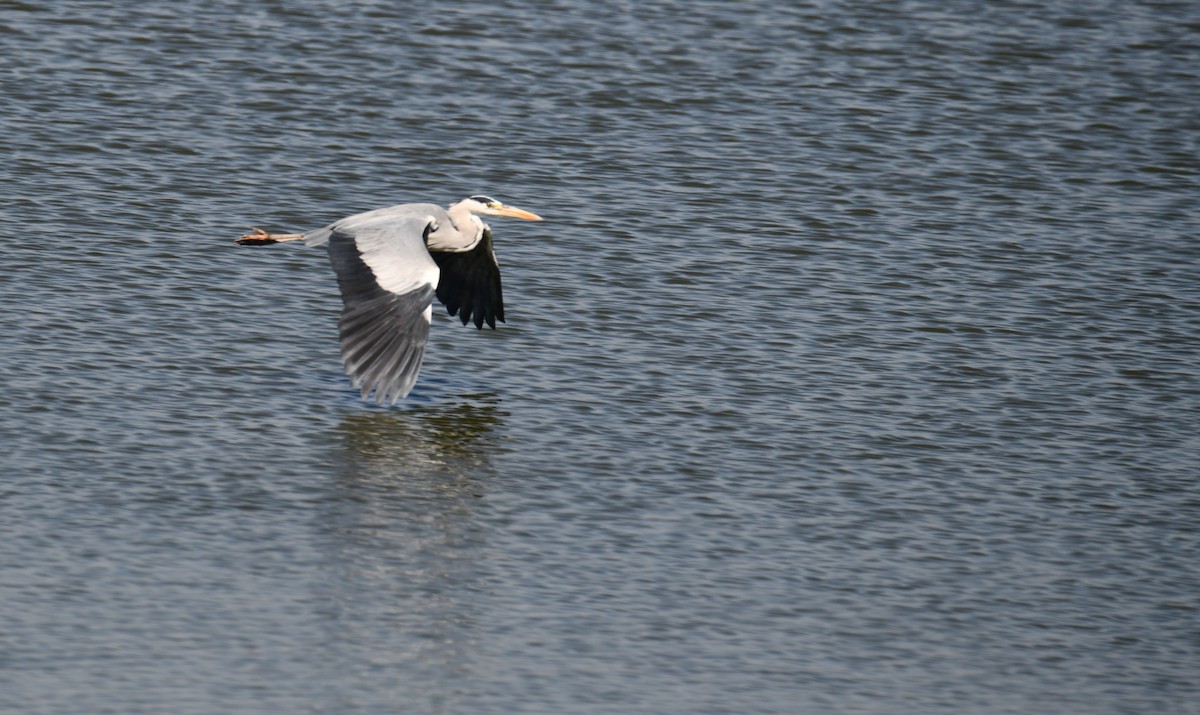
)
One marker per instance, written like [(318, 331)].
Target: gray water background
[(854, 369)]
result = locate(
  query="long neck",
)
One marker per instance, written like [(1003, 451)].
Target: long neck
[(463, 233), (462, 217)]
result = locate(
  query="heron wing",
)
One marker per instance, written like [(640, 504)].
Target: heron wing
[(388, 281), (470, 283), (375, 217)]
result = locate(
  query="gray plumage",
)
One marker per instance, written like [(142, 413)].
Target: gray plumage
[(390, 263)]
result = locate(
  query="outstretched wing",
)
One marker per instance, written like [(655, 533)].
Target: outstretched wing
[(470, 283), (388, 282)]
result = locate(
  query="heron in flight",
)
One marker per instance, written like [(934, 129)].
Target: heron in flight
[(390, 263)]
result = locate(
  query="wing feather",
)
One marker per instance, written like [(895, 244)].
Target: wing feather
[(469, 284), (385, 359), (387, 280)]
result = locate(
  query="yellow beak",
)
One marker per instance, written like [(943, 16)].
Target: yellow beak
[(514, 212)]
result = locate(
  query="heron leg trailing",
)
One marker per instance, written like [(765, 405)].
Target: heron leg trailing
[(262, 238)]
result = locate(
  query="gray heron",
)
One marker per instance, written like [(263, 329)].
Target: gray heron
[(390, 263)]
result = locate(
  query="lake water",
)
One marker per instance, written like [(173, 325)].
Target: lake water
[(856, 367)]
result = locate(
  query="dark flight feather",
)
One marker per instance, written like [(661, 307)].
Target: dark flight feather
[(469, 284)]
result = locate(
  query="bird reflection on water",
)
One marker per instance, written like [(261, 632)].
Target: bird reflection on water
[(423, 437), (405, 567)]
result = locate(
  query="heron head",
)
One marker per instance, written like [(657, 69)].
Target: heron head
[(488, 206)]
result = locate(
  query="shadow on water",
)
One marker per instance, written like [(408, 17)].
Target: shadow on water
[(404, 572)]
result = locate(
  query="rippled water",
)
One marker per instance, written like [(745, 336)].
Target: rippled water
[(855, 368)]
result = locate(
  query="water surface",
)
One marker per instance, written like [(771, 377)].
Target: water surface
[(853, 370)]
